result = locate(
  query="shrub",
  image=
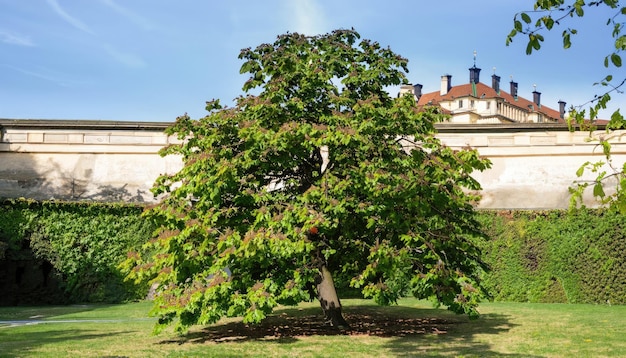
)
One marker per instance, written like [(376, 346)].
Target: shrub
[(83, 242), (535, 256), (556, 256)]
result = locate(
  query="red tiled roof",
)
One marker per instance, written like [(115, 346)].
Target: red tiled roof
[(484, 91)]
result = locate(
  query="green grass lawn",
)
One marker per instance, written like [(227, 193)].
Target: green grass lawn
[(413, 328)]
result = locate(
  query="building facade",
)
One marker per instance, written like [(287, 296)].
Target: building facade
[(478, 103)]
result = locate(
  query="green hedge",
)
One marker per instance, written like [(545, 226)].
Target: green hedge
[(556, 256), (83, 242), (548, 256)]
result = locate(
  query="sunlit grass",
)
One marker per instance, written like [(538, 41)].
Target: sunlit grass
[(134, 310), (413, 328)]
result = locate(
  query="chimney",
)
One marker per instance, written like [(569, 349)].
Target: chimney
[(537, 98), (446, 84), (514, 90), (495, 83), (474, 74), (417, 91), (406, 89), (562, 109)]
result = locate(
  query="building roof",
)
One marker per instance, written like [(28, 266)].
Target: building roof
[(483, 91)]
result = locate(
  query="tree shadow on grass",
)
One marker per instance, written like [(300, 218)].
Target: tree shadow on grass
[(14, 344), (457, 337), (412, 331)]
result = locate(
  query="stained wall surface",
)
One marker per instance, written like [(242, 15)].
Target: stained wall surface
[(533, 165), (82, 160)]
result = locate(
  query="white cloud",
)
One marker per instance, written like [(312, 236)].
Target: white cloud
[(12, 38), (131, 16), (43, 75), (126, 59), (69, 18), (305, 17)]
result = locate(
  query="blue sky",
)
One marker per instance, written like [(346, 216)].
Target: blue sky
[(153, 60)]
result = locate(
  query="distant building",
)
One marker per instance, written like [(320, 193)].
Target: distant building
[(478, 103)]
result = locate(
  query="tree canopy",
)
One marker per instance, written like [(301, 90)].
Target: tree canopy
[(316, 177), (550, 15)]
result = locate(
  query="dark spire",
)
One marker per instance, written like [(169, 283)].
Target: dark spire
[(495, 81), (474, 72), (536, 96), (513, 88)]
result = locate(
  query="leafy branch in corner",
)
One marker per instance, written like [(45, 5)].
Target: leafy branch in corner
[(548, 15)]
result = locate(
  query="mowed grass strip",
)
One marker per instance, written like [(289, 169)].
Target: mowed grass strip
[(413, 328)]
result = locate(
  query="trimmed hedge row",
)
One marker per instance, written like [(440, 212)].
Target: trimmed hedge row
[(556, 256), (81, 244), (548, 256)]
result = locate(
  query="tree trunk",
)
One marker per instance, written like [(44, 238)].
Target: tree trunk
[(329, 300)]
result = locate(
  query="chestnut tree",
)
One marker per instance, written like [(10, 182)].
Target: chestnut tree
[(315, 179)]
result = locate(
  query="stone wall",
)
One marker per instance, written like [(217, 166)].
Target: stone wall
[(533, 164), (82, 160)]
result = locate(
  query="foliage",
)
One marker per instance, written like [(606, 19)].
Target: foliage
[(321, 168), (549, 15), (15, 221), (551, 256), (556, 256), (84, 242)]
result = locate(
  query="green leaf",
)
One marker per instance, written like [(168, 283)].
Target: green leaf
[(509, 38), (535, 43), (620, 43), (578, 8), (548, 22), (616, 60), (617, 120), (567, 43), (525, 17), (598, 190), (606, 147)]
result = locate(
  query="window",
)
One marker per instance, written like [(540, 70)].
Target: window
[(488, 105), (472, 104), (460, 103)]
